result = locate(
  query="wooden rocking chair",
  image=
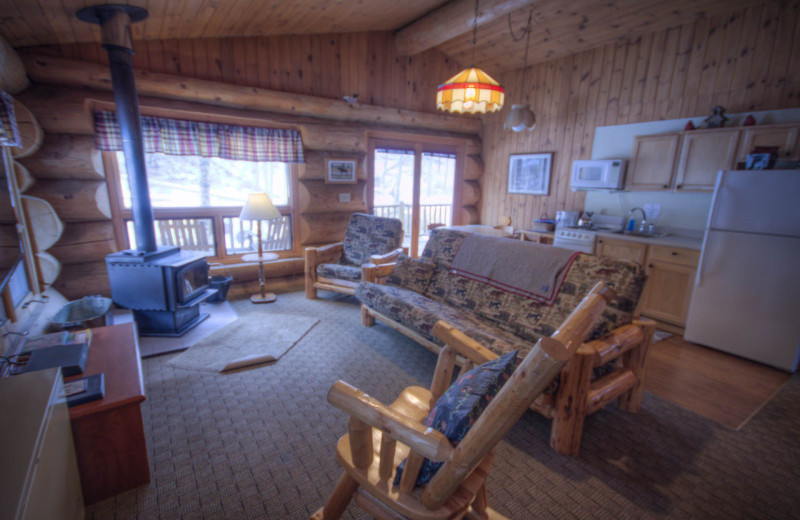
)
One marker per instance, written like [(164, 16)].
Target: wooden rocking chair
[(379, 437)]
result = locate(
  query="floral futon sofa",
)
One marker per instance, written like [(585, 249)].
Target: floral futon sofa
[(609, 365)]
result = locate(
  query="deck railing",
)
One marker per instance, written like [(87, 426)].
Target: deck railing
[(428, 214), (239, 236)]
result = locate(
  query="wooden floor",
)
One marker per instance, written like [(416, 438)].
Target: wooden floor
[(720, 386)]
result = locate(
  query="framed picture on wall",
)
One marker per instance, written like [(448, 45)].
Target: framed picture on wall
[(340, 171), (529, 174)]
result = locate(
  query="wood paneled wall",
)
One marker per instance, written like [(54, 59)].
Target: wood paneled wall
[(746, 60), (327, 65)]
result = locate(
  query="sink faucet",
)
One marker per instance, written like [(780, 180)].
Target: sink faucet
[(643, 225)]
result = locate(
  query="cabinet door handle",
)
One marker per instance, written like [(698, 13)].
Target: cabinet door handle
[(679, 186), (666, 186), (674, 253), (650, 266)]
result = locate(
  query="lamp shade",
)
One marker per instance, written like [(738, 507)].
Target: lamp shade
[(259, 207), (471, 91), (520, 118)]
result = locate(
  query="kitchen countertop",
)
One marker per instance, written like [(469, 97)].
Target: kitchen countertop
[(671, 240)]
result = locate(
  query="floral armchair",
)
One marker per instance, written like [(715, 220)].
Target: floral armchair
[(337, 267)]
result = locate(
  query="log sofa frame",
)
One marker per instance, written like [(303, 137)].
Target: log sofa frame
[(577, 395)]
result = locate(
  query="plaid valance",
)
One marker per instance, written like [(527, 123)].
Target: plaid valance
[(9, 132), (178, 137)]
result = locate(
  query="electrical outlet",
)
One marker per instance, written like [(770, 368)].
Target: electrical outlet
[(344, 197), (653, 211)]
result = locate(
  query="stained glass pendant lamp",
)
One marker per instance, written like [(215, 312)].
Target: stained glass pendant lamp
[(471, 91)]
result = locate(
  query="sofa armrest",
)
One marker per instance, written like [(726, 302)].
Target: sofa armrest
[(371, 272), (621, 340), (463, 344), (386, 258)]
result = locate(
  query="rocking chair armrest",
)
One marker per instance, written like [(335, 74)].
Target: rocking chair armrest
[(463, 344), (325, 254), (428, 442), (386, 258)]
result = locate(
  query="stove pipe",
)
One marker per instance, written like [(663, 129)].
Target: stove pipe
[(115, 20)]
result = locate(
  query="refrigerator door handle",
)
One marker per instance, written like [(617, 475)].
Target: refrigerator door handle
[(698, 281)]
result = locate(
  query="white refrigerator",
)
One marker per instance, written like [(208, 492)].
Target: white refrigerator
[(746, 298)]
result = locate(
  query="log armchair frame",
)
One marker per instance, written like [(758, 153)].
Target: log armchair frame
[(380, 436), (577, 395), (330, 254)]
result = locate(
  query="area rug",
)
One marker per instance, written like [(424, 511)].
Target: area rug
[(255, 339)]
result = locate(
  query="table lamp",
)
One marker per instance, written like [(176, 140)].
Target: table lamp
[(258, 207)]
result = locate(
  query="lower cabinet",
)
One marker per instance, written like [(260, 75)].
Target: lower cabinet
[(670, 276)]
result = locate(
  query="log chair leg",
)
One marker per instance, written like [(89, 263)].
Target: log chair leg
[(367, 319), (311, 273), (635, 360), (571, 403), (339, 499)]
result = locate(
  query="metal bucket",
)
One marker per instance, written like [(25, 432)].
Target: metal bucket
[(89, 311)]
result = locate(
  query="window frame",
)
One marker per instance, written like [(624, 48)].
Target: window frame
[(419, 144), (120, 214)]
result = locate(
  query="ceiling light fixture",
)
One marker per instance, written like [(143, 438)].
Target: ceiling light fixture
[(521, 118), (471, 91)]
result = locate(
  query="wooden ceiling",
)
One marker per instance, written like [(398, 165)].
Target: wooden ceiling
[(560, 27), (44, 22)]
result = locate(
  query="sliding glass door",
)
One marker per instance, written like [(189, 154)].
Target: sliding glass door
[(414, 182)]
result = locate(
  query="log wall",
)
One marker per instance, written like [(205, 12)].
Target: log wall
[(69, 174), (746, 60), (325, 65)]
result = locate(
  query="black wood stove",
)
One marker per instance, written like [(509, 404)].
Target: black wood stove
[(164, 286)]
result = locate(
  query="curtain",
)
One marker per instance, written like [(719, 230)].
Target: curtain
[(178, 137), (9, 132)]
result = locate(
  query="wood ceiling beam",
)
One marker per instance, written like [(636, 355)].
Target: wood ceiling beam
[(450, 21), (56, 71)]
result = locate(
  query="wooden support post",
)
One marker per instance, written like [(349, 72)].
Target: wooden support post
[(635, 360), (339, 500), (311, 272), (360, 442), (571, 402), (367, 319), (443, 374), (410, 473), (388, 447)]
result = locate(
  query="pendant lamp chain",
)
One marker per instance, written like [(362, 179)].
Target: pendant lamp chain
[(475, 32)]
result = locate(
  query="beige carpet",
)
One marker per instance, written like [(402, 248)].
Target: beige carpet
[(246, 342)]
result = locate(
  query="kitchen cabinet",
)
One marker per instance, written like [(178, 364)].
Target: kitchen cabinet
[(622, 249), (784, 137), (690, 160), (653, 162), (670, 279), (702, 154), (670, 276)]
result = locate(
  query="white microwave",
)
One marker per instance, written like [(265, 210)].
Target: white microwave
[(598, 174)]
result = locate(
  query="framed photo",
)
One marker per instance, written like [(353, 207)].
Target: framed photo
[(340, 171), (529, 173)]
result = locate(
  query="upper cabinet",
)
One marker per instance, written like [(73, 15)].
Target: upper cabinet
[(653, 162), (689, 161), (782, 137), (702, 155)]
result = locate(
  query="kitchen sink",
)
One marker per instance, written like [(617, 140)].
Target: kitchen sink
[(641, 235)]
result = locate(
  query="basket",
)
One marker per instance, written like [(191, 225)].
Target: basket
[(89, 311), (221, 283)]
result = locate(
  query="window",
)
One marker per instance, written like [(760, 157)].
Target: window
[(414, 182), (197, 200)]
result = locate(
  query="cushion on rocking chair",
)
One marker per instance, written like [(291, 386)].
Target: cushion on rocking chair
[(461, 405)]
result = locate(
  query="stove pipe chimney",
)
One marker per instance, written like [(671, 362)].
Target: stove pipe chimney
[(114, 21)]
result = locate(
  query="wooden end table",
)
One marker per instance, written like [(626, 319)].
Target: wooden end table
[(263, 297), (109, 433)]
